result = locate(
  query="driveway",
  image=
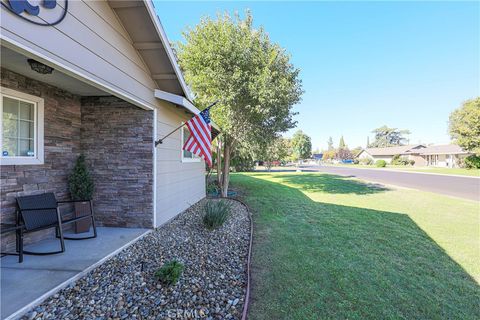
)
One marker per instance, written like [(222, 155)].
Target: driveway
[(463, 187)]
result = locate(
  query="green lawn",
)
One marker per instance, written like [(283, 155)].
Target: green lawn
[(455, 171), (328, 247)]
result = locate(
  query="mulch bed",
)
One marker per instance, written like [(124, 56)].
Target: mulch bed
[(212, 285)]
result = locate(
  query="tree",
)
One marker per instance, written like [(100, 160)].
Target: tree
[(80, 182), (343, 154), (277, 151), (227, 59), (341, 144), (464, 125), (301, 145), (330, 144), (388, 137)]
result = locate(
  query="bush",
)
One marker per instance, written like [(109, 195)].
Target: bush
[(381, 163), (212, 188), (400, 161), (366, 161), (412, 162), (170, 272), (472, 162), (80, 182), (216, 213), (355, 161)]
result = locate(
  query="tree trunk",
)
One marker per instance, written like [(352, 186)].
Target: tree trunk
[(225, 169), (219, 162)]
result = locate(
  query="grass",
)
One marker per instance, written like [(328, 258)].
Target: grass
[(329, 247), (455, 171), (216, 212)]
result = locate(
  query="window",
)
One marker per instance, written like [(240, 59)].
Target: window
[(187, 156), (21, 127)]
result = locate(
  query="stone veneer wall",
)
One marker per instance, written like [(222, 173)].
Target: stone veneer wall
[(116, 138), (117, 142), (62, 146)]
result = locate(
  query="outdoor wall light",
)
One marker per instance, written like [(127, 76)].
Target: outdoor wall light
[(39, 67)]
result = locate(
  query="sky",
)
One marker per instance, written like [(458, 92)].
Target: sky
[(363, 65)]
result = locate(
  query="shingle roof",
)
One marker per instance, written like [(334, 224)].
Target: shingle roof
[(444, 149), (391, 151)]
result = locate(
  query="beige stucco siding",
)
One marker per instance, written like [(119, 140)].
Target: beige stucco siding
[(178, 184), (90, 43)]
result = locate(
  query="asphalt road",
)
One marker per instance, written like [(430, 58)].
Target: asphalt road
[(463, 187)]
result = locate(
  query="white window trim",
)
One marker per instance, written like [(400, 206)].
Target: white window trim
[(39, 128), (195, 158)]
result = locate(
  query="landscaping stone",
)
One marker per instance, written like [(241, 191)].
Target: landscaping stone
[(212, 285)]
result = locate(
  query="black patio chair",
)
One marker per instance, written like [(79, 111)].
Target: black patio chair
[(40, 212)]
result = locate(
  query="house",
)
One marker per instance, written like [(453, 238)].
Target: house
[(410, 152), (448, 155), (97, 78)]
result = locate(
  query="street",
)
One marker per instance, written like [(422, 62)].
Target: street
[(463, 187)]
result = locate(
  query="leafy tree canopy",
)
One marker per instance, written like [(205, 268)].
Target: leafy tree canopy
[(342, 144), (465, 125), (301, 145), (228, 60), (388, 137), (330, 144)]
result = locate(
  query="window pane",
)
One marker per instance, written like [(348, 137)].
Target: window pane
[(26, 148), (26, 129), (26, 111), (10, 129), (9, 147), (187, 154), (10, 108)]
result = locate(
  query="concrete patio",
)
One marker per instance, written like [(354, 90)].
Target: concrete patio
[(26, 284)]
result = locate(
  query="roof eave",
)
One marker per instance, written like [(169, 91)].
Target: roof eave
[(166, 44)]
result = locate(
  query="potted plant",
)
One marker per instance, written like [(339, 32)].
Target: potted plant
[(81, 188)]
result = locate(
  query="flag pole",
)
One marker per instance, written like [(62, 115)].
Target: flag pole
[(160, 141)]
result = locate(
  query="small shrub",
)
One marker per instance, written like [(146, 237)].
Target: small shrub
[(216, 213), (412, 162), (399, 160), (472, 162), (170, 272), (212, 188), (381, 163), (355, 161)]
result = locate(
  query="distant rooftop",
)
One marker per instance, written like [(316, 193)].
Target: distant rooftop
[(391, 151), (444, 149)]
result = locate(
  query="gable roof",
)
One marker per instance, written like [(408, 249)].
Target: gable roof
[(148, 37), (391, 151), (444, 149)]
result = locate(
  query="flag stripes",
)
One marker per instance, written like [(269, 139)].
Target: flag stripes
[(200, 140)]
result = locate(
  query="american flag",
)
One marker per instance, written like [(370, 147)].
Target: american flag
[(200, 140)]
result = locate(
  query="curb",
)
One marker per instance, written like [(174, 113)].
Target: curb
[(249, 257), (406, 171)]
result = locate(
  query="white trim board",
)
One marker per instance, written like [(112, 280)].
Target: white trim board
[(176, 99)]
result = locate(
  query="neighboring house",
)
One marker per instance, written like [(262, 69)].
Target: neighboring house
[(410, 152), (449, 155), (115, 88)]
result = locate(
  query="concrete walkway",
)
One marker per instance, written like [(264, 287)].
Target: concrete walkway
[(26, 284), (457, 186)]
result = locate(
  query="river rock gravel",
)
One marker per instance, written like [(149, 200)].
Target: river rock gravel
[(212, 285)]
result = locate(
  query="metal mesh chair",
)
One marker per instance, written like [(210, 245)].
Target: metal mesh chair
[(40, 212)]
